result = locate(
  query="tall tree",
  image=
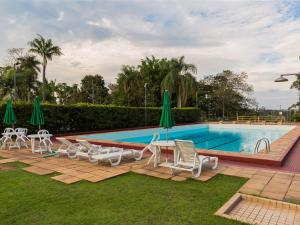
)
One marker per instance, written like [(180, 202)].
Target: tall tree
[(229, 92), (153, 71), (27, 74), (180, 80), (46, 49), (130, 87), (93, 89)]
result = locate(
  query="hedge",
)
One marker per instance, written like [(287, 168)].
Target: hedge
[(88, 117), (296, 117)]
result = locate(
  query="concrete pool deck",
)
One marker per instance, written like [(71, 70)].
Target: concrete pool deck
[(280, 148)]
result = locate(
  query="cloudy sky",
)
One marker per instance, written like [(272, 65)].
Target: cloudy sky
[(258, 37)]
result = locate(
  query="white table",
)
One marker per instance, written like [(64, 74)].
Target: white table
[(37, 136), (157, 150)]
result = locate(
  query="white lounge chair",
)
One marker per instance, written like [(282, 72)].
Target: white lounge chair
[(89, 150), (115, 157), (150, 147), (188, 159), (68, 148), (6, 139)]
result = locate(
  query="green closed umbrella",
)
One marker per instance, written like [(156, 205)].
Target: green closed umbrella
[(37, 117), (166, 120), (9, 116)]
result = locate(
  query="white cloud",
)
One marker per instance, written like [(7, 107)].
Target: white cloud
[(60, 16), (102, 23)]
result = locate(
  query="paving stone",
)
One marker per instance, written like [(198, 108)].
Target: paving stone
[(178, 178), (140, 171), (203, 178), (293, 195), (276, 187), (99, 172), (84, 175), (250, 191), (95, 179), (273, 195), (284, 175), (28, 161), (60, 169), (38, 170), (88, 169), (231, 171), (67, 179), (3, 161), (295, 186), (60, 177), (71, 180), (72, 172)]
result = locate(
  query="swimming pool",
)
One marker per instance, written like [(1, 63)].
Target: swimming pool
[(223, 137)]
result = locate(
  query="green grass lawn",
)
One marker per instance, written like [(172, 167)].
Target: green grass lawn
[(27, 199)]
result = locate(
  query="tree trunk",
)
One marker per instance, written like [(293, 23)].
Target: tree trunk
[(223, 109), (44, 79), (179, 100), (28, 95)]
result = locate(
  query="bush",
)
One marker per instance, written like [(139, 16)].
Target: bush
[(296, 117), (88, 117)]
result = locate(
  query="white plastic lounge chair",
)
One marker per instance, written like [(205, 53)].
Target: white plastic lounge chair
[(6, 139), (21, 139), (116, 157), (150, 147), (68, 148), (89, 150), (188, 159), (45, 142)]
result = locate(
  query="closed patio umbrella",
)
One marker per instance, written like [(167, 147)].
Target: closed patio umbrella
[(166, 120), (37, 117), (9, 116)]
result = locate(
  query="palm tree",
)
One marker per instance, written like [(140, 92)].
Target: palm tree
[(29, 69), (29, 62), (131, 82), (46, 49), (180, 80)]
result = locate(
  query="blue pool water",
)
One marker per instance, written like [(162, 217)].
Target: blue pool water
[(230, 138)]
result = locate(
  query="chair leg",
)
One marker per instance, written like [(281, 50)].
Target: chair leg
[(215, 164), (117, 162), (198, 168), (142, 153)]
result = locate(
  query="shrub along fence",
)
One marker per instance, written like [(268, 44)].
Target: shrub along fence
[(88, 117), (296, 117)]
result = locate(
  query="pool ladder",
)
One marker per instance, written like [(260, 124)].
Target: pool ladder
[(267, 144)]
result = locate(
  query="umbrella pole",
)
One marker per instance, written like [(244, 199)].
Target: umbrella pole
[(167, 146)]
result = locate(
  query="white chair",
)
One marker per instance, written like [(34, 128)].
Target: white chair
[(115, 157), (150, 147), (6, 139), (45, 142), (21, 139), (68, 148), (188, 159)]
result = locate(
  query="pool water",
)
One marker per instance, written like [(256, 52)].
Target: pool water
[(229, 138)]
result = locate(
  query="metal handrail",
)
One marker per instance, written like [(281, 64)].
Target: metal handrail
[(267, 144)]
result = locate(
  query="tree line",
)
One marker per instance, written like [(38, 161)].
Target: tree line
[(223, 94)]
